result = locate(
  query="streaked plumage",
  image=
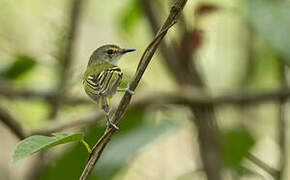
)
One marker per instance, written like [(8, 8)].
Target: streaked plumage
[(102, 76), (101, 84)]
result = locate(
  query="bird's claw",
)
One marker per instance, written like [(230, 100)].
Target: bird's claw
[(127, 89), (110, 124)]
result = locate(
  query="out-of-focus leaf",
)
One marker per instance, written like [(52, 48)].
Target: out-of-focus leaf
[(272, 20), (21, 65), (131, 15), (125, 146), (236, 143), (263, 59), (37, 143)]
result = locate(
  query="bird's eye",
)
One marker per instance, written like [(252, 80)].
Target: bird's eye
[(110, 51)]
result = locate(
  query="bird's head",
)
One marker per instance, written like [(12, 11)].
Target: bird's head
[(108, 54)]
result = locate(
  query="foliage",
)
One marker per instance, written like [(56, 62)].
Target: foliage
[(22, 64), (131, 15), (37, 143), (236, 144), (272, 20)]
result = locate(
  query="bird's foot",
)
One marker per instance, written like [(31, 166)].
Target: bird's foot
[(127, 89), (110, 124)]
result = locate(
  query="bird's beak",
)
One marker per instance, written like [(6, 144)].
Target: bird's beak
[(123, 51)]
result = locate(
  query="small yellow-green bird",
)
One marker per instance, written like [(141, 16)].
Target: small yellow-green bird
[(102, 76)]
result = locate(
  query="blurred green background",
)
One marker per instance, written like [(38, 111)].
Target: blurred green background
[(237, 46)]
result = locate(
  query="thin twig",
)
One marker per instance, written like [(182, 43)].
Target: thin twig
[(10, 92), (273, 172), (12, 124), (122, 108)]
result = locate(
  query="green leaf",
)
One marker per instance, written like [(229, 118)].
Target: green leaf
[(37, 143), (271, 19), (131, 14), (21, 65), (236, 143)]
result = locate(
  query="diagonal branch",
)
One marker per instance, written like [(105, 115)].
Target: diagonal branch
[(123, 106), (12, 124), (273, 172)]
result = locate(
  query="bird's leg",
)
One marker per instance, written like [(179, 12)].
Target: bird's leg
[(109, 122), (107, 109), (127, 89)]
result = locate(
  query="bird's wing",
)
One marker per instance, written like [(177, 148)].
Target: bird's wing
[(105, 83)]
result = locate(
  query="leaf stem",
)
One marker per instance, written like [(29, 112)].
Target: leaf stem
[(86, 145)]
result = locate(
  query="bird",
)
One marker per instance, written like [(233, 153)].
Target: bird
[(103, 76)]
